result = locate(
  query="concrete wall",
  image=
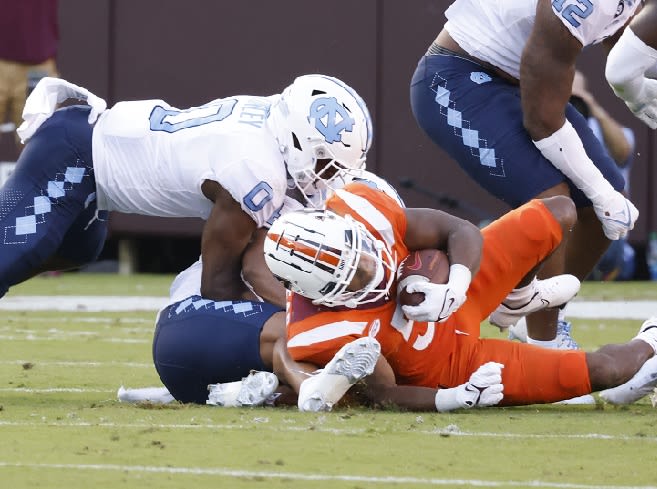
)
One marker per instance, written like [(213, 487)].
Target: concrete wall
[(193, 51)]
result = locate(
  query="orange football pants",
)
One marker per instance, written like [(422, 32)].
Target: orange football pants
[(513, 245)]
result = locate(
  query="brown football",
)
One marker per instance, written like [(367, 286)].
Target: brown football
[(432, 264)]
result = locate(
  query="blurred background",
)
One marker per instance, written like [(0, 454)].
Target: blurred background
[(188, 53)]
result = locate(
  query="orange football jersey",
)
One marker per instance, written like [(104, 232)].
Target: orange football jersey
[(315, 333), (445, 354)]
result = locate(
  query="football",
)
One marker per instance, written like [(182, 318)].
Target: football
[(432, 264)]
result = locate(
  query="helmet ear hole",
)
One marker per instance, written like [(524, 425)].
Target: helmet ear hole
[(296, 142)]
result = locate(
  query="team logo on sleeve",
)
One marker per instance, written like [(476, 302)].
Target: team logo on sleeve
[(480, 77), (331, 118)]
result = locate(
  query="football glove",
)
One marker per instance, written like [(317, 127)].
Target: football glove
[(616, 213), (484, 388), (440, 300), (46, 96)]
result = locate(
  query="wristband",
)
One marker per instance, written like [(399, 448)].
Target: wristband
[(446, 400), (460, 277)]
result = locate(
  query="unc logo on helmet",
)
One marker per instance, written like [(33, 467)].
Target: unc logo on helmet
[(324, 131), (331, 119)]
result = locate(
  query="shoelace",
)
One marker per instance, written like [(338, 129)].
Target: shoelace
[(566, 342)]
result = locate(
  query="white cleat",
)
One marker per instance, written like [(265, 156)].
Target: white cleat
[(639, 386), (351, 363), (252, 390), (154, 395), (585, 399), (551, 292), (564, 338)]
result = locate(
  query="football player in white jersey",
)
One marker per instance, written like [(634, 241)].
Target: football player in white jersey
[(493, 92), (632, 65), (237, 162)]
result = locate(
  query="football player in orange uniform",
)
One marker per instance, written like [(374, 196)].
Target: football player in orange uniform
[(340, 266)]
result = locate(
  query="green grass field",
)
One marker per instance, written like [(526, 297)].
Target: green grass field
[(61, 426)]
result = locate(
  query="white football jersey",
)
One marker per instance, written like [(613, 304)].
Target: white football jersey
[(496, 31), (151, 158), (187, 283)]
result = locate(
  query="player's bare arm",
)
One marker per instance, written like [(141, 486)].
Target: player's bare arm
[(257, 274), (547, 68), (484, 388), (381, 389), (429, 228), (226, 234)]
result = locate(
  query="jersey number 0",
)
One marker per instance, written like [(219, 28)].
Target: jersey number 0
[(172, 119)]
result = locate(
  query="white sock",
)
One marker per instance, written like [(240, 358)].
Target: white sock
[(650, 337), (562, 312), (543, 343)]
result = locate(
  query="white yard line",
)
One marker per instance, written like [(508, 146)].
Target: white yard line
[(81, 303), (233, 473), (576, 309), (612, 309), (80, 364), (32, 337), (50, 390), (263, 422)]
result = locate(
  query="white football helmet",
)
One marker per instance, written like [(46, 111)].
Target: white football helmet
[(317, 253), (324, 131)]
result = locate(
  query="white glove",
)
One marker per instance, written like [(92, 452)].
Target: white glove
[(566, 152), (484, 388), (440, 300), (616, 213), (45, 97)]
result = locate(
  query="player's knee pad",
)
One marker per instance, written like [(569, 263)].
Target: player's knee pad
[(539, 226), (573, 374)]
